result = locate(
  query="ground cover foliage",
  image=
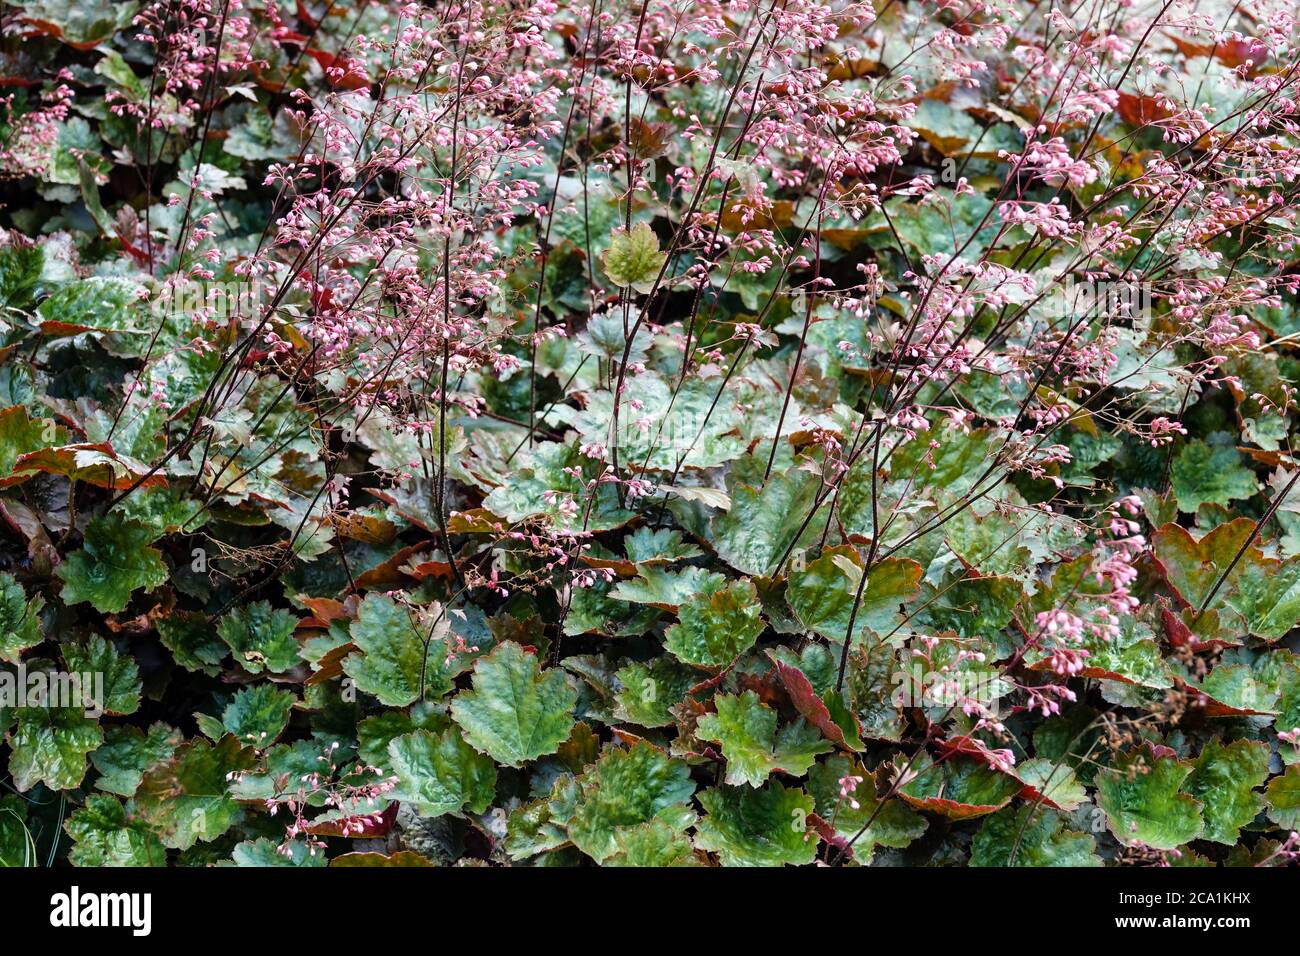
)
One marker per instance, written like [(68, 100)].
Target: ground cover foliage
[(755, 433)]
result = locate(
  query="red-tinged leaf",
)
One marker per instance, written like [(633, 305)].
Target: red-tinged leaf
[(325, 609), (1141, 110), (368, 529), (429, 569), (953, 809), (708, 684), (357, 826), (95, 463), (621, 567), (1193, 567), (1211, 707), (305, 16), (139, 255), (1239, 51), (1180, 635), (330, 666), (473, 521), (960, 788), (1050, 783), (827, 832), (391, 573), (809, 704), (402, 858), (1095, 673), (627, 737), (343, 73)]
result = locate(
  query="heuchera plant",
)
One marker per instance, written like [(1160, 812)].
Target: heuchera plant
[(757, 432)]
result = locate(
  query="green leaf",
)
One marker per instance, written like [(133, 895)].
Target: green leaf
[(961, 459), (1238, 687), (187, 799), (668, 589), (393, 654), (1132, 656), (540, 826), (20, 273), (127, 752), (960, 788), (258, 714), (1031, 836), (764, 522), (261, 638), (110, 678), (263, 852), (193, 641), (605, 337), (20, 619), (1283, 796), (592, 611), (259, 138), (1224, 781), (20, 435), (1193, 567), (753, 749), (440, 773), (1210, 474), (625, 788), (656, 843), (515, 712), (552, 476), (106, 833), (647, 691), (1070, 738), (691, 425), (1264, 591), (973, 607), (766, 827), (280, 765), (114, 561), (100, 303), (1055, 782), (50, 746), (996, 543), (822, 594), (1142, 801), (938, 225), (871, 688), (375, 733), (715, 629), (633, 258), (892, 824), (163, 510), (648, 545)]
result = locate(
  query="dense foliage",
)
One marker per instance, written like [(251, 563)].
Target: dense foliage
[(672, 433)]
